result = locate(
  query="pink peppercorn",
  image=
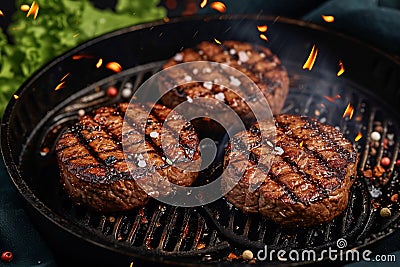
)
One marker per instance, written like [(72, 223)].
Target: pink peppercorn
[(385, 161), (112, 91)]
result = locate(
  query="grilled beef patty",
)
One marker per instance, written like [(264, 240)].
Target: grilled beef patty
[(309, 181), (94, 170), (257, 62)]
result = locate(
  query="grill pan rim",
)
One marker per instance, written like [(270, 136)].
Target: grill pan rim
[(14, 172)]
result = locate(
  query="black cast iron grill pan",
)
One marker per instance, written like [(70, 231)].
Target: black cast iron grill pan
[(202, 235)]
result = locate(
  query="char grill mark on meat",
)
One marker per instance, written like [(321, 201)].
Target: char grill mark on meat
[(306, 184), (334, 154), (92, 162)]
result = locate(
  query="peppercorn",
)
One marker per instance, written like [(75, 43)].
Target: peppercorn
[(385, 212), (385, 161), (247, 255), (112, 91), (7, 256)]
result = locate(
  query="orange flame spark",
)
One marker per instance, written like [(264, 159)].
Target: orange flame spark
[(358, 137), (341, 70), (263, 37), (24, 8), (80, 56), (1, 13), (99, 63), (114, 66), (65, 76), (311, 58), (217, 41), (34, 9), (16, 97), (328, 18), (332, 99), (349, 111), (219, 6), (166, 19), (59, 86), (262, 28), (203, 3)]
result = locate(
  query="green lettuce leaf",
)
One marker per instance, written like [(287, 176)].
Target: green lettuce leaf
[(60, 26)]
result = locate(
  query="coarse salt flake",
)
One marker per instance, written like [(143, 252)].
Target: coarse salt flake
[(220, 96), (153, 134), (234, 81), (207, 70), (208, 85), (243, 57), (142, 163), (188, 78), (279, 150), (178, 57)]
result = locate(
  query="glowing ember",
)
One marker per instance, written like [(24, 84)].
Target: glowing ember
[(232, 256), (201, 246), (220, 7), (341, 70), (311, 58), (203, 3), (217, 41), (34, 9), (64, 77), (24, 8), (263, 37), (262, 28), (328, 18), (166, 19), (301, 144), (358, 137), (114, 66), (16, 97), (99, 63), (80, 56), (1, 13), (349, 111), (59, 86), (332, 99)]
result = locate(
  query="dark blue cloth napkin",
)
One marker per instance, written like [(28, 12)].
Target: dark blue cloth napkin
[(17, 234)]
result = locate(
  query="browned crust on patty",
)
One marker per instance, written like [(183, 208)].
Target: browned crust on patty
[(257, 62), (95, 171), (308, 184)]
